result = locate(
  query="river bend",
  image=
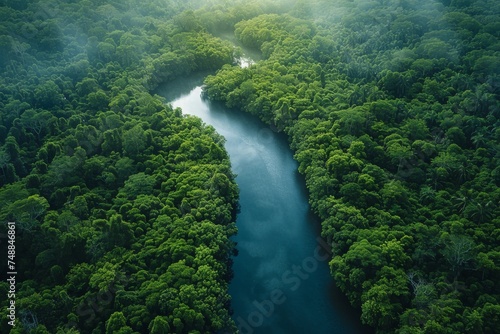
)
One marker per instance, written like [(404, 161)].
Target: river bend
[(281, 278)]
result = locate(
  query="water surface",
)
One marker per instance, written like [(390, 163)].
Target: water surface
[(281, 278)]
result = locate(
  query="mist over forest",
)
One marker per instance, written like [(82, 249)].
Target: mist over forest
[(125, 208)]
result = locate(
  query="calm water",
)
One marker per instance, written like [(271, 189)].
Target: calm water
[(281, 278)]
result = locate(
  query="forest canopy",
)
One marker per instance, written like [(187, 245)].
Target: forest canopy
[(124, 208), (392, 109)]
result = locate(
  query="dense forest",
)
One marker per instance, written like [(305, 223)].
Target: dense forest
[(392, 108), (124, 207)]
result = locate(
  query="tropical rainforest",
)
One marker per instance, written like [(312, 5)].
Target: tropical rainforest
[(124, 208)]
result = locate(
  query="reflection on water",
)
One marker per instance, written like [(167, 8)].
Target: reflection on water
[(281, 279)]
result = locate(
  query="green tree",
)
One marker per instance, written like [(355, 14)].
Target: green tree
[(29, 211), (116, 324), (36, 121), (159, 325), (134, 141), (48, 95)]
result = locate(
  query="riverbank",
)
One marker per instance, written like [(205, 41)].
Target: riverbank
[(281, 279)]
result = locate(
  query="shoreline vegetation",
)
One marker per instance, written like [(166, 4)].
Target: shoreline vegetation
[(393, 114), (124, 208)]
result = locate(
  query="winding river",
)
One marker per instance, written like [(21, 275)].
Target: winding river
[(281, 277)]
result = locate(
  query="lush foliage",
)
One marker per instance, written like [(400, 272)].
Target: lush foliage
[(123, 207), (392, 108)]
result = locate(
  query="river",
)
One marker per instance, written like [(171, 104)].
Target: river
[(281, 279)]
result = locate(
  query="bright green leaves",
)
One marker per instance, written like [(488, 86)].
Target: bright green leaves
[(97, 166), (104, 277), (372, 268), (383, 302), (188, 52), (159, 325), (340, 164), (227, 80), (29, 211), (117, 324)]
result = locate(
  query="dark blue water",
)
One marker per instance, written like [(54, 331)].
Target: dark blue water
[(281, 277)]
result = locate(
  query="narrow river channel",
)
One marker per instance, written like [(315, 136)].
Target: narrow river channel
[(281, 278)]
